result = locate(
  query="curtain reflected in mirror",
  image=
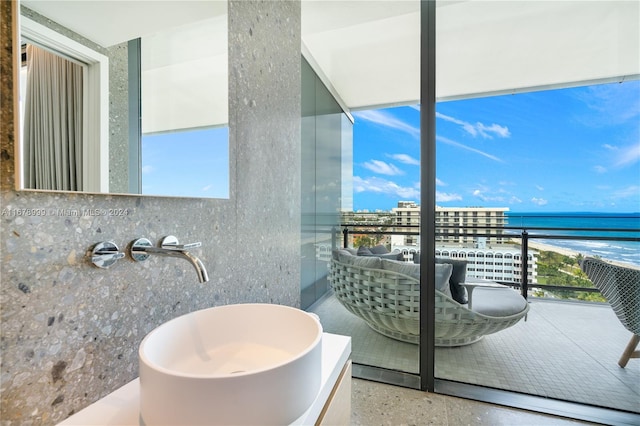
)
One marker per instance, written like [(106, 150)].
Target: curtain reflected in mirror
[(53, 122)]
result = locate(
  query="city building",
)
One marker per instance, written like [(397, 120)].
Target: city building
[(502, 264), (459, 224), (472, 233), (499, 263), (406, 219), (453, 224)]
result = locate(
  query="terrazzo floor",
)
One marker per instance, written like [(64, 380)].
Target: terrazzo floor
[(375, 403), (566, 351)]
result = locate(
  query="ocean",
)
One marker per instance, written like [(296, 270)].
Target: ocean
[(585, 225)]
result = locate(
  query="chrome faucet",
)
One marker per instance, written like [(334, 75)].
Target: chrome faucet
[(141, 249)]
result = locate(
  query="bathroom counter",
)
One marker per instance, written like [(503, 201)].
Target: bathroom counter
[(121, 407)]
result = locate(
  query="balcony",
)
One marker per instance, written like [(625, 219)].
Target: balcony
[(567, 349), (564, 350)]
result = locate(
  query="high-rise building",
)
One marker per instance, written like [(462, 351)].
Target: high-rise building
[(459, 224), (453, 224), (406, 219), (475, 234)]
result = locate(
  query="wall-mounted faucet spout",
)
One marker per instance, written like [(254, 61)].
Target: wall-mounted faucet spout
[(142, 248)]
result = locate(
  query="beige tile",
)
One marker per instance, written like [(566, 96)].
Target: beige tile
[(571, 352)]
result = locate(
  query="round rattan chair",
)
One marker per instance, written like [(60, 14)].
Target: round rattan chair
[(620, 285), (389, 302)]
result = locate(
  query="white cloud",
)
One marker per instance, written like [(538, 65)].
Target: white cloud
[(382, 168), (611, 104), (478, 128), (628, 156), (468, 127), (539, 188), (496, 129), (539, 201), (442, 197), (406, 159), (383, 186), (208, 187), (620, 157), (480, 193), (387, 120), (440, 183), (628, 192), (488, 195), (147, 169), (468, 148)]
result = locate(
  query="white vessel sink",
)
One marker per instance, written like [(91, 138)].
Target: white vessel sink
[(237, 364)]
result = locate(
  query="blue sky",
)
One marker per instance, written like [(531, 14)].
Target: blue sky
[(191, 163), (565, 150)]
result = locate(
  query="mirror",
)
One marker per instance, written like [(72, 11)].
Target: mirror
[(148, 113)]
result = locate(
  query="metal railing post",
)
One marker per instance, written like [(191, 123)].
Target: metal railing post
[(524, 280), (345, 237)]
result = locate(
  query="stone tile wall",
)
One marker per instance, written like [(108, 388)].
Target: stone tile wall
[(70, 331)]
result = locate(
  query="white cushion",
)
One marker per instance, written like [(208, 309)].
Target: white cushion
[(497, 302)]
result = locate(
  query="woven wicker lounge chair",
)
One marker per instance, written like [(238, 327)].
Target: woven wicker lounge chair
[(621, 287), (389, 302)]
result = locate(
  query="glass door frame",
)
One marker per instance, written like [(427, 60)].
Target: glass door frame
[(428, 191)]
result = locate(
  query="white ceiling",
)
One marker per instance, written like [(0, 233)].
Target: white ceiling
[(184, 77), (109, 22), (183, 49), (368, 51)]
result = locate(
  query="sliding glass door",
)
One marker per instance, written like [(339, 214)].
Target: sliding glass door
[(537, 102), (474, 124)]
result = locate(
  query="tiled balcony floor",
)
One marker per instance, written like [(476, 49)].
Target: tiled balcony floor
[(567, 351)]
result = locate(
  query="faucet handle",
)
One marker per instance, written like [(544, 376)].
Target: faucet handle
[(105, 254), (171, 243)]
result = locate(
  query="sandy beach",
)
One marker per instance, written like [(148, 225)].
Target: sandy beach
[(561, 250), (574, 253)]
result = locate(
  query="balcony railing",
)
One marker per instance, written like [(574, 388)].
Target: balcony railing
[(503, 234)]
